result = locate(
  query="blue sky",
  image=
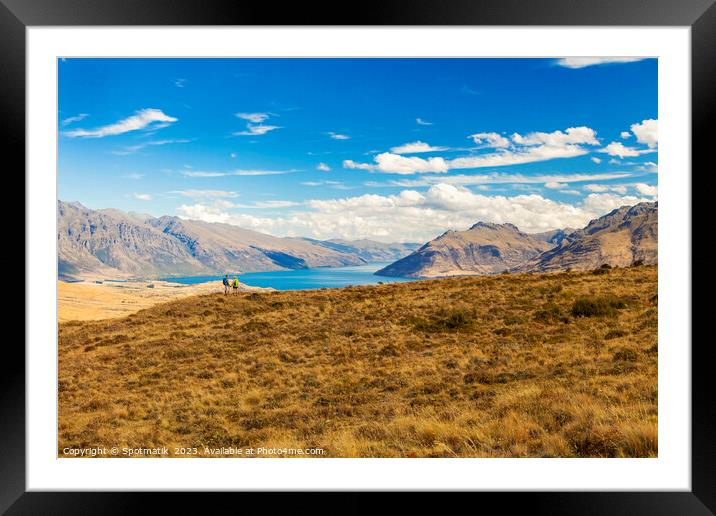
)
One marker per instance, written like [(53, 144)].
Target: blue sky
[(390, 149)]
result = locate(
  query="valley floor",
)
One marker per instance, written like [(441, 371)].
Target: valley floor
[(518, 365), (92, 300)]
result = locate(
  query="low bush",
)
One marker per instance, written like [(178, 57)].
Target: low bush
[(604, 269), (550, 312), (625, 355), (445, 321), (614, 334), (513, 319), (597, 306)]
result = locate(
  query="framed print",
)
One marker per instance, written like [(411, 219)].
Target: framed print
[(447, 249)]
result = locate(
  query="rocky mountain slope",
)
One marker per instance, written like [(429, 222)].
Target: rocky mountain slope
[(554, 237), (619, 238), (112, 243), (483, 249)]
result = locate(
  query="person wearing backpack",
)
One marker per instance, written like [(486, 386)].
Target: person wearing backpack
[(226, 284), (235, 284)]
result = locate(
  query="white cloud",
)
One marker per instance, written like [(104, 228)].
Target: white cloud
[(143, 197), (582, 62), (554, 185), (210, 194), (397, 164), (415, 216), (338, 185), (323, 167), (601, 188), (625, 135), (622, 151), (596, 188), (142, 119), (599, 204), (256, 130), (255, 127), (256, 118), (179, 83), (495, 178), (134, 176), (338, 136), (267, 205), (72, 119), (620, 189), (650, 166), (596, 160), (415, 148), (524, 155), (647, 132), (646, 189), (420, 121), (493, 140), (205, 213), (131, 149), (571, 136), (216, 212), (532, 147), (238, 172)]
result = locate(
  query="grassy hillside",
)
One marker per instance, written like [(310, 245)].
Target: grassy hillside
[(494, 366)]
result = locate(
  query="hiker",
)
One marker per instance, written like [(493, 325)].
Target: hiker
[(226, 284), (235, 284)]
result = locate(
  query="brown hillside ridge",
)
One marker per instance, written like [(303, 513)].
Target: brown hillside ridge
[(623, 236), (483, 249), (509, 365)]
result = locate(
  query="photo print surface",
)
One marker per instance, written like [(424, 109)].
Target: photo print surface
[(264, 257)]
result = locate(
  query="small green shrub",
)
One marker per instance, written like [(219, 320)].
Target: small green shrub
[(445, 321), (614, 334), (604, 269), (625, 355), (597, 306), (255, 326), (550, 312), (513, 319)]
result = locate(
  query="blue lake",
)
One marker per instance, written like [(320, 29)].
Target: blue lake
[(303, 279)]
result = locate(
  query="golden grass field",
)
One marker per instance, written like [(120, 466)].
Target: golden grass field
[(523, 365), (88, 300)]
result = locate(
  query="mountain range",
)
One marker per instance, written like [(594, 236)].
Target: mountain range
[(112, 243), (619, 238), (485, 248), (369, 250)]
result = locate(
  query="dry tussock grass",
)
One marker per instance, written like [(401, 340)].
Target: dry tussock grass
[(556, 365)]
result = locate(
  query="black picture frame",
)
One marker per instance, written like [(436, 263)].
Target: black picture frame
[(700, 15)]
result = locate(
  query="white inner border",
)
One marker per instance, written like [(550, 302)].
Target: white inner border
[(670, 471)]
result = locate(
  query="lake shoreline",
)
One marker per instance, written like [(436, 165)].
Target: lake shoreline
[(302, 279)]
